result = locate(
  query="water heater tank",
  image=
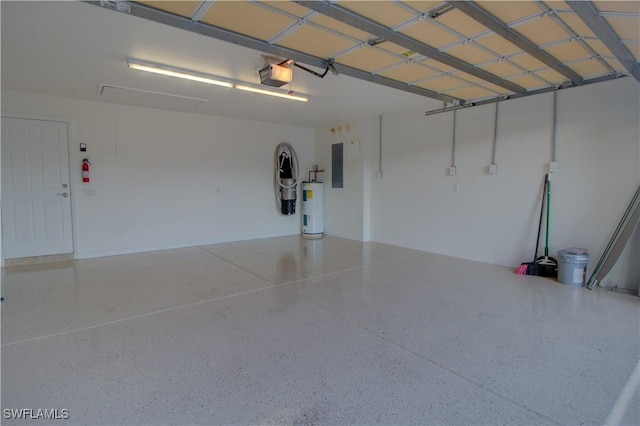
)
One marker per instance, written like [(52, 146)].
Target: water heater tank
[(312, 210)]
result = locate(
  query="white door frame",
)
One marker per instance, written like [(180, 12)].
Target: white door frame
[(73, 175)]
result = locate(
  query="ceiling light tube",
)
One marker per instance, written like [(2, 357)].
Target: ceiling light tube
[(176, 72), (272, 93)]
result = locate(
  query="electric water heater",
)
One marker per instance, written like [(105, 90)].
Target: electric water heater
[(312, 210)]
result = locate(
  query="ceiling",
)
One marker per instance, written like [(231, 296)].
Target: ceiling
[(388, 54)]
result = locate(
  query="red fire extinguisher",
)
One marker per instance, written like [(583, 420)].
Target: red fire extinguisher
[(86, 178)]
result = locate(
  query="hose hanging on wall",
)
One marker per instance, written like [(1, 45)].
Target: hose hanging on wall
[(285, 179)]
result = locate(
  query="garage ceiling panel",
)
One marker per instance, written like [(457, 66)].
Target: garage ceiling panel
[(442, 83), (430, 34), (468, 77), (496, 89), (616, 65), (384, 13), (316, 42), (338, 26), (509, 11), (422, 6), (502, 68), (471, 93), (635, 50), (599, 47), (287, 6), (470, 53), (569, 51), (557, 5), (409, 72), (625, 28), (541, 31), (182, 8), (246, 18), (551, 76), (439, 66), (576, 24), (461, 23), (589, 68), (528, 81), (498, 44), (618, 6), (527, 62), (368, 59), (394, 48)]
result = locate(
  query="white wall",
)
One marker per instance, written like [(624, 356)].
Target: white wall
[(166, 179), (494, 218), (347, 210)]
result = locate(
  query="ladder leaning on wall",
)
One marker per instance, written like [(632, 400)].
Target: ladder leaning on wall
[(621, 235)]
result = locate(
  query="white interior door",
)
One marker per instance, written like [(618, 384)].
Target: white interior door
[(36, 197)]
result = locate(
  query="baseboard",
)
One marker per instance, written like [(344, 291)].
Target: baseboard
[(38, 260)]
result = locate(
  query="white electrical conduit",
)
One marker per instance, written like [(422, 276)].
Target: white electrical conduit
[(452, 171), (380, 147), (553, 127), (277, 182), (495, 135)]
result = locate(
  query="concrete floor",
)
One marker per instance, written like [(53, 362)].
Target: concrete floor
[(287, 331)]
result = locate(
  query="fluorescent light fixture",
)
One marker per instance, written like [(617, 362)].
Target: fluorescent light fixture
[(205, 78), (176, 72), (271, 93)]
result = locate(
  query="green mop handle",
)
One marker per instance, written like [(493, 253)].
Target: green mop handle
[(546, 243)]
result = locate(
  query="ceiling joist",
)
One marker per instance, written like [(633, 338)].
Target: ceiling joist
[(360, 22), (152, 14), (474, 11), (596, 23)]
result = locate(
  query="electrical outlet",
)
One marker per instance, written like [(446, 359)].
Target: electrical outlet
[(379, 174), (452, 171), (553, 167), (493, 169)]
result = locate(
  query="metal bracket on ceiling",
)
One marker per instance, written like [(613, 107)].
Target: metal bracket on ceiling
[(330, 65), (376, 41), (440, 10)]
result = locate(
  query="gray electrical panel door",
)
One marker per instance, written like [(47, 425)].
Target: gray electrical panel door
[(336, 165)]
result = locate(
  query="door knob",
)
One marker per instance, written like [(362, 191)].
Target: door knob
[(64, 185), (64, 194)]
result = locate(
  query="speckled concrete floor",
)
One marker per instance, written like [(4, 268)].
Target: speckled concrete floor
[(287, 331)]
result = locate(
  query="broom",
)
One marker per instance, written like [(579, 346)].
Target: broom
[(547, 265), (531, 268)]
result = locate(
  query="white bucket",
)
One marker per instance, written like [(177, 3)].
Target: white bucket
[(572, 266)]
